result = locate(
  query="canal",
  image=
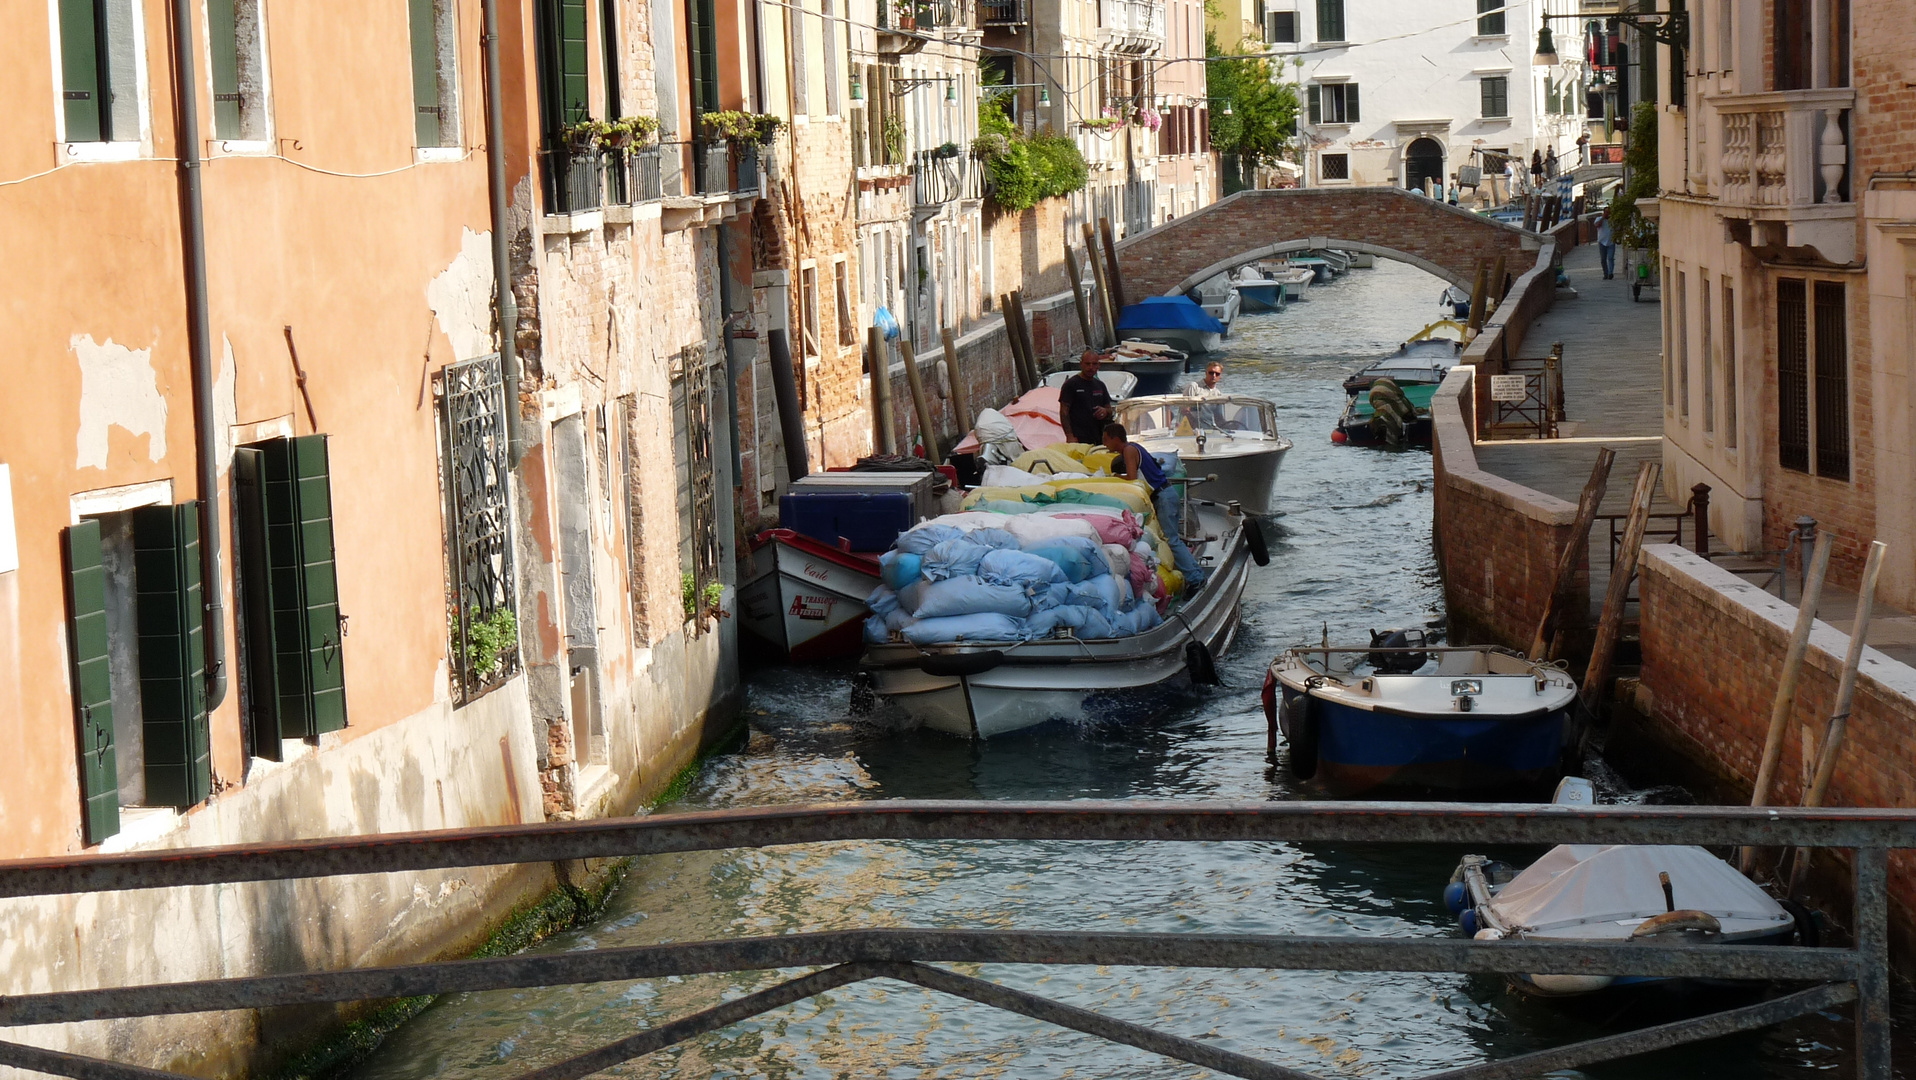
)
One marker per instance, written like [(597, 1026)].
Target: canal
[(1351, 551)]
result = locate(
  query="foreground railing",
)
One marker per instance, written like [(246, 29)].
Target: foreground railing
[(1859, 974)]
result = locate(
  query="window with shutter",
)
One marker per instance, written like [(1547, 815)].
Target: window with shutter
[(1490, 18), (222, 33), (1330, 20), (1832, 381), (260, 690), (1350, 103), (302, 594), (1792, 375), (92, 680), (1315, 94), (83, 77), (178, 761), (1496, 96), (425, 72)]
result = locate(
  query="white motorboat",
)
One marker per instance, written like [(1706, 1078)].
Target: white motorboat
[(1296, 279), (1231, 436), (1424, 358), (808, 599), (1661, 894), (1120, 383), (1155, 366), (1260, 293), (1219, 298), (978, 690)]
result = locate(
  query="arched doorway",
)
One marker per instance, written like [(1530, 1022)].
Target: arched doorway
[(1423, 160)]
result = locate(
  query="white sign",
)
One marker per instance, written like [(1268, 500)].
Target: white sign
[(1507, 388)]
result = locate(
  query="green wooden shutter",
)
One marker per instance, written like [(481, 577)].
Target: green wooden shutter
[(222, 33), (302, 586), (256, 620), (1316, 95), (575, 87), (425, 72), (166, 569), (83, 92), (92, 681), (1350, 103)]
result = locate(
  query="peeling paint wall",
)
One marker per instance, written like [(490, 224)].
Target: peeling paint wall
[(118, 388)]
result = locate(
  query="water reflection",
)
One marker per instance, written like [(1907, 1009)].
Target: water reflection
[(1350, 551)]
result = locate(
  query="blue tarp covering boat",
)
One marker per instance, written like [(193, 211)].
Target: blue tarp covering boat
[(1176, 321)]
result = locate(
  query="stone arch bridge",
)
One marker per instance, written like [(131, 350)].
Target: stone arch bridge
[(1388, 222)]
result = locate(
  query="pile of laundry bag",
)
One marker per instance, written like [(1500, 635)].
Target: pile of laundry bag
[(1046, 549)]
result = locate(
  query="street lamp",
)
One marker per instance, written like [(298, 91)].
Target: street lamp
[(1670, 27)]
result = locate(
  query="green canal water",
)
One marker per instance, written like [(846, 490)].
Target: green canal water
[(1351, 551)]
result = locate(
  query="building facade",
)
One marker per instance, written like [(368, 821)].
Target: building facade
[(1786, 142), (1391, 103)]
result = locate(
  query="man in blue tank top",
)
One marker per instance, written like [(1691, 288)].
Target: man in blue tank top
[(1136, 463)]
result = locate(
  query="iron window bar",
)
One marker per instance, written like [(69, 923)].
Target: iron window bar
[(1859, 974)]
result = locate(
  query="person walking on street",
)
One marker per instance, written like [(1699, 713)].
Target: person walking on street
[(1136, 463), (1583, 149), (1550, 164), (1536, 170), (1084, 402), (1606, 246)]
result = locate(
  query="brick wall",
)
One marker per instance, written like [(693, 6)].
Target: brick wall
[(1713, 648), (1498, 542), (1443, 236)]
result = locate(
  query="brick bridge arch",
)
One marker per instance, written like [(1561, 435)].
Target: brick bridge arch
[(1388, 222)]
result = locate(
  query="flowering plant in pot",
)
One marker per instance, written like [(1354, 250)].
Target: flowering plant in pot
[(630, 131), (742, 127), (1149, 119), (585, 136)]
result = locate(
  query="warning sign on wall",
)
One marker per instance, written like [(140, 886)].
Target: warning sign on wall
[(1507, 388)]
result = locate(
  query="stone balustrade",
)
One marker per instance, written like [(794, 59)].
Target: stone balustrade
[(1783, 167)]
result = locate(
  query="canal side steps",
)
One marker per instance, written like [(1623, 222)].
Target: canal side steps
[(1823, 977)]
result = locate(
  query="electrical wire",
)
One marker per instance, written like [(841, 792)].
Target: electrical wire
[(467, 156)]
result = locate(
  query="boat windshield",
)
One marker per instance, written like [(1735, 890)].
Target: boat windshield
[(1190, 415)]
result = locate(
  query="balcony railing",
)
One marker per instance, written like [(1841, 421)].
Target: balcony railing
[(936, 180), (574, 180), (1784, 163), (645, 182), (1005, 13), (903, 24), (722, 167), (1135, 26)]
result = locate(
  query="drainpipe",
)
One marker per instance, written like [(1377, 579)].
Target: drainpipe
[(199, 336), (503, 303)]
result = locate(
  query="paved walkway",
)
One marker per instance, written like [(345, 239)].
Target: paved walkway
[(1613, 396)]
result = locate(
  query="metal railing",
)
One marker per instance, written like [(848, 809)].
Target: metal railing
[(645, 181), (938, 179), (723, 167), (1857, 974), (1004, 13), (1536, 414), (574, 179)]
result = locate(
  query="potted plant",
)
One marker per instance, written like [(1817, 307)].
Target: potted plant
[(742, 127), (630, 131), (584, 136), (947, 150)]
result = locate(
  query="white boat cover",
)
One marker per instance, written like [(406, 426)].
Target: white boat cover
[(1586, 891)]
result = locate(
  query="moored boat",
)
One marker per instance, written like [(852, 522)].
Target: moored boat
[(1220, 299), (1586, 893), (1231, 436), (1121, 383), (979, 689), (1296, 279), (1359, 424), (1155, 365), (1260, 293), (1318, 266), (1399, 715), (1424, 357), (1176, 321), (808, 599)]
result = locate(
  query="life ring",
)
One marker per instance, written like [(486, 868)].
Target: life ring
[(1198, 661), (1300, 731), (1254, 539)]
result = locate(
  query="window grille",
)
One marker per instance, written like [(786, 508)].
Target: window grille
[(1334, 166), (480, 588), (1792, 375), (1832, 382)]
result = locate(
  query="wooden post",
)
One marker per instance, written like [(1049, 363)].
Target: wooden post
[(1479, 293), (1012, 340), (880, 359), (1700, 517), (960, 407), (1030, 377), (1587, 505), (1555, 366), (1497, 280), (1786, 683), (927, 425), (1112, 272), (1077, 292), (1104, 287), (1845, 696), (1611, 625)]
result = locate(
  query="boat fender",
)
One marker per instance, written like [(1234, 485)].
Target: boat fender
[(960, 664), (1198, 661), (1456, 897), (1254, 539), (1467, 919), (1681, 919), (1300, 731)]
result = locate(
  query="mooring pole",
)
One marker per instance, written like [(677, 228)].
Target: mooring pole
[(1625, 567), (1786, 684)]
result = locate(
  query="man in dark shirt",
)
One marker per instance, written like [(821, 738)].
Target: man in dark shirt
[(1084, 404)]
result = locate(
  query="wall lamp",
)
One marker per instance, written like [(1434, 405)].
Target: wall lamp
[(901, 87), (1044, 90), (1670, 27)]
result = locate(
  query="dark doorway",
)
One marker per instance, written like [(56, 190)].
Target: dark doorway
[(1424, 160)]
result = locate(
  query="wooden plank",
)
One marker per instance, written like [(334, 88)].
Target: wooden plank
[(1028, 377), (1625, 567), (881, 391), (960, 404), (1587, 504), (1479, 293), (927, 425), (1104, 287), (1786, 683), (1112, 273), (1077, 291)]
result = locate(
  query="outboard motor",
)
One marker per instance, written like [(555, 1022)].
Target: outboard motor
[(1397, 663)]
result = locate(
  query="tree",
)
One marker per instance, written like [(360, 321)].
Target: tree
[(1628, 224), (1263, 111)]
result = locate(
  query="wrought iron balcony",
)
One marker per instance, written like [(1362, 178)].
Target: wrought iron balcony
[(723, 167), (646, 181), (1007, 13), (938, 179), (574, 179), (1783, 169), (1131, 26), (903, 25)]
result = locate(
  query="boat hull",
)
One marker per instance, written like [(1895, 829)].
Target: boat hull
[(1364, 750), (1358, 432), (1154, 376), (1269, 296), (1246, 478), (1177, 337), (808, 602), (1082, 681)]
